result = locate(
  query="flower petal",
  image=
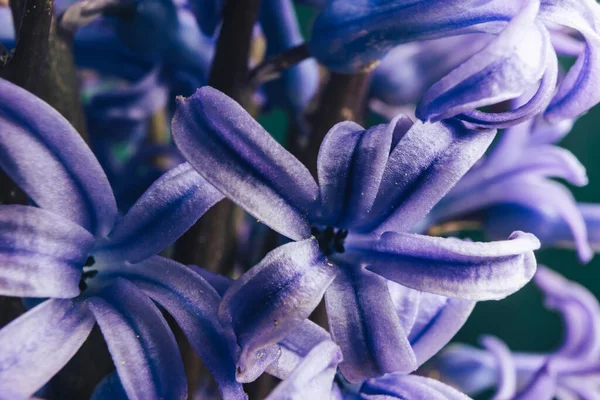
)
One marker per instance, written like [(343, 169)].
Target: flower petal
[(505, 69), (140, 341), (236, 155), (435, 319), (576, 93), (409, 387), (427, 161), (313, 378), (580, 312), (295, 347), (505, 367), (350, 36), (164, 212), (449, 266), (273, 298), (41, 253), (350, 165), (363, 322), (543, 207), (467, 368), (47, 158), (35, 346), (193, 303), (299, 83)]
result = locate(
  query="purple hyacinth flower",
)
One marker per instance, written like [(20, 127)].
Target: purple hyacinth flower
[(349, 230), (570, 372), (515, 190), (97, 267), (519, 57)]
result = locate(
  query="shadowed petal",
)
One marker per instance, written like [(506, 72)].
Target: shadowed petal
[(35, 346), (299, 83), (41, 253), (350, 36), (236, 155), (109, 388), (580, 311), (398, 386), (552, 208), (505, 367), (435, 319), (449, 266), (542, 386), (274, 297), (427, 161), (141, 343), (350, 165), (363, 322), (313, 378), (193, 303), (576, 93), (470, 369), (47, 158), (164, 212)]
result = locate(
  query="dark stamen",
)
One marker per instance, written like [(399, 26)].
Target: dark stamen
[(89, 262), (85, 275), (330, 240)]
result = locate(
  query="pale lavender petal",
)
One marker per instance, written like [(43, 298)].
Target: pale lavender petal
[(576, 93), (397, 386), (235, 154), (351, 164), (313, 378), (41, 254), (536, 194), (363, 322), (47, 158), (541, 387), (295, 347), (580, 312), (164, 212), (505, 69), (425, 164), (273, 298), (449, 266), (140, 341), (109, 388), (435, 319), (35, 346), (505, 367), (467, 368), (193, 303)]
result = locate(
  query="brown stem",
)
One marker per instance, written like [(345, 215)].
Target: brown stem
[(342, 99), (271, 68)]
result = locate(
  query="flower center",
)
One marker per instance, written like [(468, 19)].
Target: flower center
[(331, 240), (90, 273)]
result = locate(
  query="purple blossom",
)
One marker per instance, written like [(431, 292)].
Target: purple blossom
[(350, 230), (571, 371), (517, 56), (98, 267)]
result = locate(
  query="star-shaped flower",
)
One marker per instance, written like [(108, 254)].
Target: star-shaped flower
[(350, 230), (98, 267)]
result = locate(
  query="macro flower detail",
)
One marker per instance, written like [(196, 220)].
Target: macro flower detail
[(516, 54), (376, 184), (515, 190), (568, 372), (98, 267)]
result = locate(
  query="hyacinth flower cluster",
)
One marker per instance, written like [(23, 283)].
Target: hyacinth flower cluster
[(165, 245)]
